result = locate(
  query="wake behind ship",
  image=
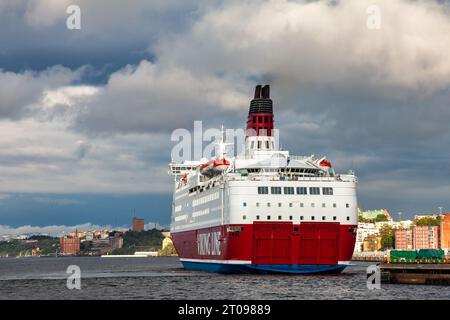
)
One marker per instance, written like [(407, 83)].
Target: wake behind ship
[(265, 210)]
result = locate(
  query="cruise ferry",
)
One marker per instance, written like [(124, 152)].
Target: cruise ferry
[(265, 210)]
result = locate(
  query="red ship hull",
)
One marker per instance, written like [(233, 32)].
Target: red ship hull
[(283, 247)]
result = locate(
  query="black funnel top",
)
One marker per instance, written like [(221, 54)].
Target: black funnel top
[(262, 102)]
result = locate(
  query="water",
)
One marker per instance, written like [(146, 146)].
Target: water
[(164, 278)]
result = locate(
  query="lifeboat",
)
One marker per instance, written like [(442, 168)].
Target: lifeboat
[(325, 163), (214, 166)]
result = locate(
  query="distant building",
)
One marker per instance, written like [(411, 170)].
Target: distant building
[(137, 224), (372, 243), (78, 234), (116, 241), (69, 246), (404, 239), (373, 214), (426, 237), (445, 231), (364, 230)]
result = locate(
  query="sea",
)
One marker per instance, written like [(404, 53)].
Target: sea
[(164, 278)]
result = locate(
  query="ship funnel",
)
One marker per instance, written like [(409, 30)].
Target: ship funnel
[(266, 92), (260, 114), (258, 92)]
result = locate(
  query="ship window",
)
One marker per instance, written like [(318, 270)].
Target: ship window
[(312, 217), (244, 204), (257, 217), (275, 190), (288, 190), (263, 190), (323, 205), (279, 204), (252, 145), (334, 218), (267, 144), (268, 217), (279, 217), (323, 218), (244, 217), (314, 190), (260, 119), (301, 217), (290, 205), (259, 144), (327, 191), (268, 204), (266, 119), (347, 205), (301, 205), (312, 204), (254, 118), (302, 190), (334, 205), (290, 217), (257, 204), (348, 218)]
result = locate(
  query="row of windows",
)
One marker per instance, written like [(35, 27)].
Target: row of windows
[(302, 205), (313, 218), (267, 119), (300, 190)]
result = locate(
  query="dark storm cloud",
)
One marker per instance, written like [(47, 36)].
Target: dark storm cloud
[(373, 101)]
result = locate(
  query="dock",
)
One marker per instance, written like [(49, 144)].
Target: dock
[(424, 274)]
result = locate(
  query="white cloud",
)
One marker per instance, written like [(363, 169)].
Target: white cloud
[(310, 43), (20, 92)]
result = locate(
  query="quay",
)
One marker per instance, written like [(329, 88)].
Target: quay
[(425, 274), (369, 256)]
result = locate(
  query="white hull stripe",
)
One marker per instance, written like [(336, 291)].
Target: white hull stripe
[(236, 261), (217, 261)]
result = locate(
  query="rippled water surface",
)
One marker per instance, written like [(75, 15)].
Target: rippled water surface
[(164, 278)]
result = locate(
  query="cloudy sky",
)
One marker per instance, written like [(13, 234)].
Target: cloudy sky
[(86, 115)]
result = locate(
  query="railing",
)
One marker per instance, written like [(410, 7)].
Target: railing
[(274, 155), (240, 177)]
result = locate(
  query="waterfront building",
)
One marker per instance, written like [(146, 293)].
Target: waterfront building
[(445, 232), (69, 246), (372, 243), (116, 241), (426, 237), (137, 224), (404, 239), (364, 230)]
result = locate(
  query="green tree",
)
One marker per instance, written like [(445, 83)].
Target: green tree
[(428, 221), (387, 234), (381, 218)]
